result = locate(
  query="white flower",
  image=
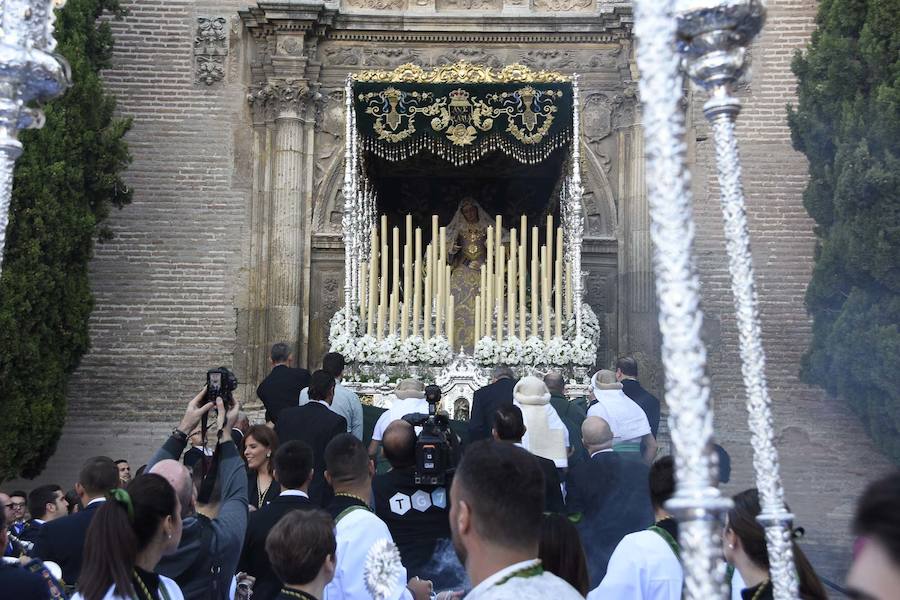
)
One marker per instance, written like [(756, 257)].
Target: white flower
[(584, 351), (438, 351), (487, 351), (511, 351), (338, 325), (533, 351), (558, 352), (412, 349), (388, 350), (366, 349), (590, 325)]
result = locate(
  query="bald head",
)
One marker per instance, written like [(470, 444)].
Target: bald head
[(180, 478), (399, 441), (596, 434)]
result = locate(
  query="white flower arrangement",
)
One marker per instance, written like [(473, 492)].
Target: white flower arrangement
[(584, 351), (338, 326), (511, 351), (344, 344), (412, 349), (558, 352), (437, 351), (366, 349), (487, 351), (388, 350), (590, 325), (533, 351)]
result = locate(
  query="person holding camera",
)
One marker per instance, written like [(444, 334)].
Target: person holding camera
[(416, 514), (207, 556)]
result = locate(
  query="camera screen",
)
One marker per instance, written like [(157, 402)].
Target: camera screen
[(215, 380)]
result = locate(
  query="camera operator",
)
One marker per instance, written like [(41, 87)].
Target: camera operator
[(416, 514), (208, 554), (409, 399)]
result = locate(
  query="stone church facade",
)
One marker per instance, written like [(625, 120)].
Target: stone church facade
[(233, 239)]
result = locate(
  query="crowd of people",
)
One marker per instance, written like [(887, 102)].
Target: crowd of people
[(547, 497)]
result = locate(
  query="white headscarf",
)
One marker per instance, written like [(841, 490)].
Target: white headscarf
[(545, 433), (626, 419)]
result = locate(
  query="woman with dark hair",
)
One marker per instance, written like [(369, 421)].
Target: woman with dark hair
[(74, 502), (260, 444), (745, 548), (128, 535), (561, 552)]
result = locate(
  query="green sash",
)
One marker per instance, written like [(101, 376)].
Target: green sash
[(627, 447), (672, 542)]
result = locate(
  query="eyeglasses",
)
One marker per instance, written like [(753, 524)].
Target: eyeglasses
[(16, 505)]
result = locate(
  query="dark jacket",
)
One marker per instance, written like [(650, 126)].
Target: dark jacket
[(485, 403), (572, 413), (552, 492), (31, 532), (645, 400), (62, 541), (281, 389), (20, 583), (254, 559), (223, 542), (315, 424), (416, 529), (611, 494)]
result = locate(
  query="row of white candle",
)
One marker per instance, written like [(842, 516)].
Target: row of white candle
[(425, 302), (503, 282)]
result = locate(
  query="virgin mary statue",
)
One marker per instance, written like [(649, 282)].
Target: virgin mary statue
[(467, 233)]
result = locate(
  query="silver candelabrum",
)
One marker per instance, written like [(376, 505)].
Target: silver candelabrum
[(713, 37), (29, 71)]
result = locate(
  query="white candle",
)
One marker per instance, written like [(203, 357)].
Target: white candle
[(545, 295), (383, 289), (511, 294), (557, 304), (522, 276), (427, 317), (417, 285), (451, 324), (373, 283), (363, 293), (501, 263), (407, 289), (489, 297), (486, 323), (477, 317), (395, 281), (535, 282)]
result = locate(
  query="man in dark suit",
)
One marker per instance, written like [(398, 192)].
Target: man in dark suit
[(608, 495), (509, 426), (62, 541), (45, 503), (572, 413), (626, 374), (281, 389), (315, 424), (487, 400), (293, 470)]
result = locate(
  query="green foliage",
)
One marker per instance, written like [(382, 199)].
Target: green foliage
[(848, 125), (66, 181)]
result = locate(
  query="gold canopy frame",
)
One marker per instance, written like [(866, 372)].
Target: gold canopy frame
[(461, 72)]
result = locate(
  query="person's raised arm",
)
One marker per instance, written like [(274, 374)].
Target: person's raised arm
[(175, 444), (650, 446), (231, 522)]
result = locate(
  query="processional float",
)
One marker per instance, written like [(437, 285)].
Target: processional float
[(528, 307)]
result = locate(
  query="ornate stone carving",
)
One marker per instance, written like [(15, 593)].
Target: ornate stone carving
[(596, 115), (550, 59), (331, 295), (389, 57), (468, 4), (350, 56), (290, 45), (377, 4), (475, 55), (210, 49), (280, 96), (563, 5)]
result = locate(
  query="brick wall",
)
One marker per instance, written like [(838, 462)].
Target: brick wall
[(165, 286)]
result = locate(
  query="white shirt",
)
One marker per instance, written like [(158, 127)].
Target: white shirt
[(399, 409), (300, 493), (355, 534), (537, 587), (642, 567), (164, 582), (626, 419)]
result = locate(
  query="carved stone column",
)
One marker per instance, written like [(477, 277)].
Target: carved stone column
[(287, 221)]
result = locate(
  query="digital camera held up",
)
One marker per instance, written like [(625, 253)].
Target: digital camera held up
[(434, 451), (220, 383)]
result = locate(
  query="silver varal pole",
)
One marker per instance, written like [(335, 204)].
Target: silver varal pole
[(713, 37), (28, 71), (697, 504)]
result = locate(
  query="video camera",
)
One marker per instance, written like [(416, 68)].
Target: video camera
[(434, 446)]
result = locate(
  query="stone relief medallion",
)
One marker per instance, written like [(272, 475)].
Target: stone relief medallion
[(376, 4), (468, 4), (563, 5), (210, 49)]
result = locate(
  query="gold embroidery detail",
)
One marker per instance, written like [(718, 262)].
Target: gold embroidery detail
[(461, 72)]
